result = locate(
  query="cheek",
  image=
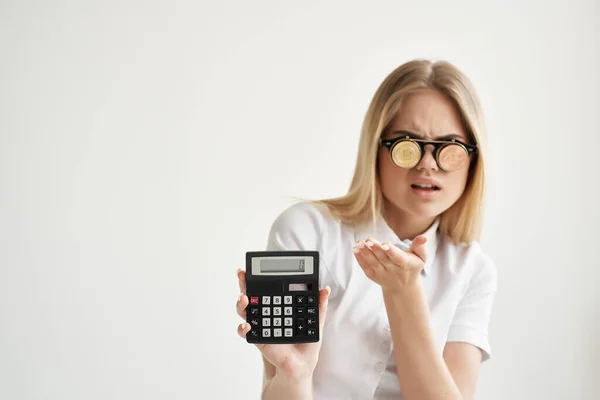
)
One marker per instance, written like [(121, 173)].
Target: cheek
[(457, 180), (391, 176)]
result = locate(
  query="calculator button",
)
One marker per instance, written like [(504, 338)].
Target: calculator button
[(287, 300), (288, 322), (300, 300), (276, 310), (254, 300), (276, 321), (310, 300), (266, 332), (311, 332), (254, 322), (266, 322), (277, 332), (311, 321), (300, 326), (277, 300), (289, 332), (312, 310), (266, 311), (288, 311), (254, 311), (253, 333), (300, 311), (266, 300)]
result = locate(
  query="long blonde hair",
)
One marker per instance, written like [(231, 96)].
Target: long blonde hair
[(364, 200)]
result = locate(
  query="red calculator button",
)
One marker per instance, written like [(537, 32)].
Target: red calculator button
[(254, 300)]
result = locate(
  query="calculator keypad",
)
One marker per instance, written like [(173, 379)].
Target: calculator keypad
[(283, 316)]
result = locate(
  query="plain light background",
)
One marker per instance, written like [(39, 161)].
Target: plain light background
[(146, 146)]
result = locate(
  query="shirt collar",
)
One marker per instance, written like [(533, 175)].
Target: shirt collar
[(384, 234)]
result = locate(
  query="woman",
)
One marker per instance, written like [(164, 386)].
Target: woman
[(408, 290)]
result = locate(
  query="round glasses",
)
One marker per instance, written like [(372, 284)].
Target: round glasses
[(407, 152)]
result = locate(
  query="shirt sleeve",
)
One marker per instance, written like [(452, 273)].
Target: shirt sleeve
[(296, 228), (472, 316)]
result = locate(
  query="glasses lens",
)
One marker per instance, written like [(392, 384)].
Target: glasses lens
[(406, 154), (452, 157)]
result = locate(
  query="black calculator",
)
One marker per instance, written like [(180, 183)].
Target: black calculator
[(283, 290)]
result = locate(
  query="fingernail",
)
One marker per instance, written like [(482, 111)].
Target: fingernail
[(238, 271), (361, 244), (370, 244), (356, 250), (385, 247), (328, 290)]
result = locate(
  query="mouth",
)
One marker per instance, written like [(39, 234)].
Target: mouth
[(425, 187)]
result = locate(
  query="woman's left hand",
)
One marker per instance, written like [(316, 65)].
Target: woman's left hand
[(389, 266)]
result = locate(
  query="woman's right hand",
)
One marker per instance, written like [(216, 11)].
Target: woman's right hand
[(295, 361)]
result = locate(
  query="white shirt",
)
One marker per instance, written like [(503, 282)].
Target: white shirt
[(356, 360)]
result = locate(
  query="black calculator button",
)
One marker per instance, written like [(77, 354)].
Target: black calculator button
[(266, 311), (289, 321), (276, 310), (287, 300), (300, 300), (300, 311), (254, 322), (312, 310), (311, 321), (266, 322), (276, 321), (288, 310), (311, 332), (310, 300), (266, 332), (276, 300), (253, 333), (289, 332), (266, 300), (254, 311), (300, 326), (277, 332)]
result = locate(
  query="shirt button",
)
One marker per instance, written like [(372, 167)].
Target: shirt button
[(379, 367)]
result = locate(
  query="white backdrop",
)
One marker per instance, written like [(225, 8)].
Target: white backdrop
[(146, 146)]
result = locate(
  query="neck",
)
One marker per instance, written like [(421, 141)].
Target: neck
[(406, 226)]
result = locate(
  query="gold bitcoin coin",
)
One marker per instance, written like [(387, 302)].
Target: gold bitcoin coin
[(406, 154), (452, 157)]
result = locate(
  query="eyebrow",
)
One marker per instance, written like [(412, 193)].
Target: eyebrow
[(417, 136)]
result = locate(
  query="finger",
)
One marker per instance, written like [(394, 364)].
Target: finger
[(380, 253), (323, 305), (418, 247), (243, 329), (241, 305), (366, 254), (241, 274)]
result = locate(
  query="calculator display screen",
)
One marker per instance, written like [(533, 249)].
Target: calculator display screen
[(275, 265), (282, 265)]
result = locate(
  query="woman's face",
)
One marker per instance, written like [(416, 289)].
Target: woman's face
[(432, 116)]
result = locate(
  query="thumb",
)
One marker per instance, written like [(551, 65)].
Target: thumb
[(323, 304), (418, 247)]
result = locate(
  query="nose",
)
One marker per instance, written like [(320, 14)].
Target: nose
[(428, 160)]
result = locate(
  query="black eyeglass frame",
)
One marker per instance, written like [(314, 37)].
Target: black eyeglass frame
[(438, 145)]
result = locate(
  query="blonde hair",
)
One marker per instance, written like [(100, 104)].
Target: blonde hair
[(364, 200)]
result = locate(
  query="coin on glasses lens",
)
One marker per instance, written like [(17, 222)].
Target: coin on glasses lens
[(452, 157), (406, 154)]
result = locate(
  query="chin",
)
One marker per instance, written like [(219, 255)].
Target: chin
[(422, 209)]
